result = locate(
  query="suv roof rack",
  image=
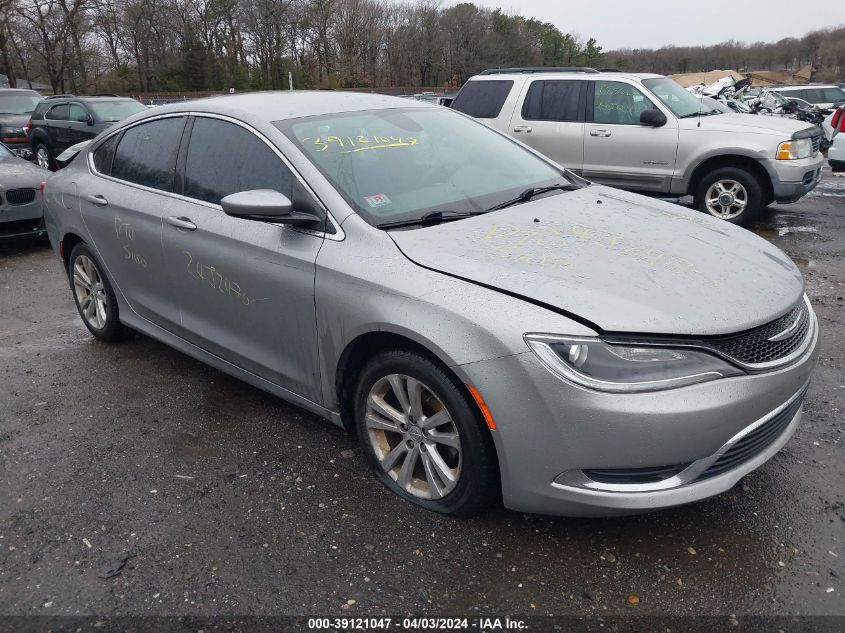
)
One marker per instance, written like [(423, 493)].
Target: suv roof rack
[(64, 96), (539, 69), (106, 94)]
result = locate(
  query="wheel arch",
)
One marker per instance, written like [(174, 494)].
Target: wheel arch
[(68, 243), (733, 160), (364, 347)]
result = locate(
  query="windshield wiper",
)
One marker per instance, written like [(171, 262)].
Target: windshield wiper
[(702, 113), (430, 218), (526, 195)]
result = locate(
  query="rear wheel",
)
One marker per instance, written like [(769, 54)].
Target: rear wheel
[(43, 158), (423, 435), (732, 194), (95, 299)]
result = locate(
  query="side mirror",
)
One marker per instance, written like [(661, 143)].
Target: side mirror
[(90, 120), (653, 117), (266, 205)]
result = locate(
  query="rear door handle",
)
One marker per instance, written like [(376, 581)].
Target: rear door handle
[(181, 223), (522, 128), (599, 132), (97, 199)]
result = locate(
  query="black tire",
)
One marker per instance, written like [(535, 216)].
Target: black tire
[(112, 329), (51, 162), (755, 196), (478, 484)]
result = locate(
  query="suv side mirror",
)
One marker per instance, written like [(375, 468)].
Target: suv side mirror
[(653, 117), (265, 205), (90, 120)]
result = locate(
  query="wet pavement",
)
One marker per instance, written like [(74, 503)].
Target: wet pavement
[(135, 481)]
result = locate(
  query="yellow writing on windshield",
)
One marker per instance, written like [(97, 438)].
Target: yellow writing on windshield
[(360, 143)]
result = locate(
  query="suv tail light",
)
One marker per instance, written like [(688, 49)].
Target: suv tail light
[(28, 127), (838, 120)]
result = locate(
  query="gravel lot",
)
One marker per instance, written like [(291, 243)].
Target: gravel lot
[(137, 481)]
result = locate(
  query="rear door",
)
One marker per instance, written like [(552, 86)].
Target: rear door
[(245, 288), (551, 119), (57, 124), (618, 149), (123, 203)]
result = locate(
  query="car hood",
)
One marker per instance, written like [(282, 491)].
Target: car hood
[(620, 261), (746, 123), (17, 173)]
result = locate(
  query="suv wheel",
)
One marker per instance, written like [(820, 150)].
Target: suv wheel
[(730, 193), (423, 435), (94, 296), (43, 158)]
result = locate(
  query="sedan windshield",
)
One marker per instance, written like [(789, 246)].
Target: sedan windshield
[(18, 103), (674, 97), (400, 165), (114, 111)]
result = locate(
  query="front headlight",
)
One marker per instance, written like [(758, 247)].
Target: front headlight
[(793, 150), (626, 368)]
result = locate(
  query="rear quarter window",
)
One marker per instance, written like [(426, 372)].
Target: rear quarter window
[(483, 99)]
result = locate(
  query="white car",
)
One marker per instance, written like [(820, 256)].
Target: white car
[(833, 127)]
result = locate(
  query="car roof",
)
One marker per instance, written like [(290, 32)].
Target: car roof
[(290, 104), (18, 91), (801, 87), (603, 74)]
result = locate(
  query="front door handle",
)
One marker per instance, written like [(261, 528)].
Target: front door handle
[(97, 199), (599, 132), (522, 128), (182, 223)]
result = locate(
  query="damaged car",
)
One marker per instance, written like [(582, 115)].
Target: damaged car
[(491, 325)]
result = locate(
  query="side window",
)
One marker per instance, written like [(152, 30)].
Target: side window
[(78, 114), (483, 99), (146, 154), (552, 101), (620, 103), (58, 113), (104, 155), (224, 158)]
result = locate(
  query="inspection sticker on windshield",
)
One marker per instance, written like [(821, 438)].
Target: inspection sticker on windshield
[(377, 201)]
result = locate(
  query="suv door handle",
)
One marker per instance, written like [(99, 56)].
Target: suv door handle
[(182, 223), (97, 199), (599, 132), (522, 128)]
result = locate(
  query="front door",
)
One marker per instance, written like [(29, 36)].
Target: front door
[(551, 120), (618, 149), (245, 287), (123, 204)]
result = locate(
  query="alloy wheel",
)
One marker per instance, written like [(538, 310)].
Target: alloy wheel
[(726, 199), (42, 157), (413, 436), (90, 292)]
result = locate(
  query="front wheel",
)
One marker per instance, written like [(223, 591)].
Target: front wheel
[(424, 436), (94, 296), (732, 194)]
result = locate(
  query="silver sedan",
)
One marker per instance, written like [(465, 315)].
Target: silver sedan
[(491, 325), (21, 208)]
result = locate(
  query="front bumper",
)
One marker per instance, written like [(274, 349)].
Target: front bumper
[(555, 429), (18, 220), (793, 179)]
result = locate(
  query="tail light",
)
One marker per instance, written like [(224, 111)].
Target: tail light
[(42, 186), (838, 120), (28, 127)]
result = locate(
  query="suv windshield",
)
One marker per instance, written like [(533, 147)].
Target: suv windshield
[(398, 165), (114, 111), (677, 99), (18, 103)]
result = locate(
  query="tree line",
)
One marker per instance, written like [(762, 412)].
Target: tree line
[(130, 46), (823, 49)]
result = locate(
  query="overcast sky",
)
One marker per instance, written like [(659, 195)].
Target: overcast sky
[(654, 23)]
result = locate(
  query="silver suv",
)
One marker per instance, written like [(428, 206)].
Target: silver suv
[(645, 133)]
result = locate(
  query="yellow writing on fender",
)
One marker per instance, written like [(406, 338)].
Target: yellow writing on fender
[(360, 143)]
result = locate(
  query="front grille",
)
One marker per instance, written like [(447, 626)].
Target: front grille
[(817, 142), (753, 346), (634, 475), (20, 196), (755, 442)]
